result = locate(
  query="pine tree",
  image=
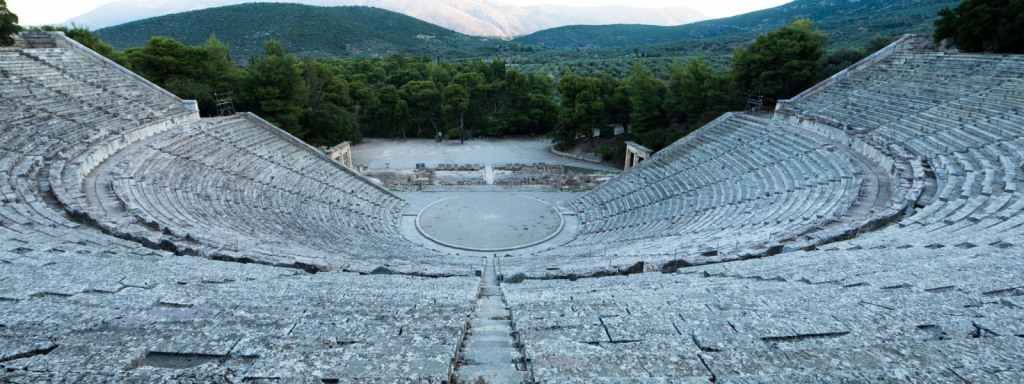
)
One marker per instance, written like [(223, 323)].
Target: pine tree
[(646, 96), (423, 99), (162, 59), (92, 41), (276, 90), (781, 63), (515, 97), (330, 125), (697, 94), (456, 103), (8, 25), (582, 109), (220, 71), (984, 25)]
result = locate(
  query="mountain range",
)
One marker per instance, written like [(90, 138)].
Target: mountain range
[(343, 32), (471, 17), (847, 22)]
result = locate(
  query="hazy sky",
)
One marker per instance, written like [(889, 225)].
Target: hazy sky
[(38, 12)]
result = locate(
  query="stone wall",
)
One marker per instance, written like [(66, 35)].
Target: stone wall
[(471, 174), (589, 157)]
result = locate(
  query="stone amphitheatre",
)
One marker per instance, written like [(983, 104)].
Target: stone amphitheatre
[(870, 231)]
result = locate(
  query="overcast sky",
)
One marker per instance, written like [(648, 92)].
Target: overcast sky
[(39, 12)]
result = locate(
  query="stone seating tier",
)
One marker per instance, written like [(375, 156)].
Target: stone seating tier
[(235, 186), (891, 192), (895, 313), (81, 305), (736, 182)]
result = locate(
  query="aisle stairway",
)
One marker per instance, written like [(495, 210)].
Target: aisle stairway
[(489, 354)]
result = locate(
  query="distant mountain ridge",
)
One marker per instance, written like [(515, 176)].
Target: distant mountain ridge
[(344, 32), (845, 20), (471, 17)]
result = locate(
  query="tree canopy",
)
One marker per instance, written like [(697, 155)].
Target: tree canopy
[(582, 109), (276, 89), (782, 62), (984, 25), (842, 58), (325, 101), (8, 25), (697, 94)]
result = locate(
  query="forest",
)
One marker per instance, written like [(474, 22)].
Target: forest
[(326, 100), (344, 32), (658, 100)]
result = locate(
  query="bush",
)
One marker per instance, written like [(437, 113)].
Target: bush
[(605, 152)]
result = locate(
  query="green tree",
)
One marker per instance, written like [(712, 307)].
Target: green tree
[(836, 61), (697, 94), (316, 76), (616, 100), (338, 92), (781, 63), (193, 89), (92, 41), (8, 25), (646, 96), (162, 59), (189, 72), (275, 89), (543, 113), (542, 108), (330, 125), (424, 102), (456, 103), (983, 25), (541, 84), (389, 114), (219, 71), (581, 110), (842, 58), (362, 95), (878, 42), (515, 97)]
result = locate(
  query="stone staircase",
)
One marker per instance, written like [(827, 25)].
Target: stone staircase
[(489, 354)]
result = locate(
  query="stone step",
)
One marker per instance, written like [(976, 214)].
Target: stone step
[(488, 351), (491, 374), (488, 342), (475, 353)]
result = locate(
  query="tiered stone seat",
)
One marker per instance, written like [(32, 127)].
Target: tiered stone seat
[(960, 112), (70, 112), (236, 183), (891, 193), (78, 303), (903, 313), (733, 184), (51, 116), (920, 300), (82, 305)]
